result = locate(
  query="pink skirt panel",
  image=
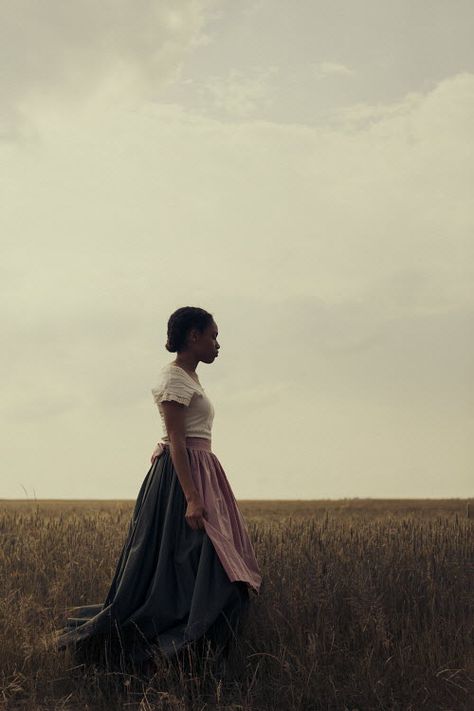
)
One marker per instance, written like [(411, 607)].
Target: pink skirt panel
[(223, 522)]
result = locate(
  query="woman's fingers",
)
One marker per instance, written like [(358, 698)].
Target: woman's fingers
[(194, 522)]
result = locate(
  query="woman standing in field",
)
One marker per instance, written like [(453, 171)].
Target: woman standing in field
[(187, 566)]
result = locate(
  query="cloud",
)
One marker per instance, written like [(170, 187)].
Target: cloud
[(253, 8), (325, 69), (337, 258), (239, 94), (53, 51), (379, 206)]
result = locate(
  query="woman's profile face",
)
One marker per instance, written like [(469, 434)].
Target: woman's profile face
[(207, 343)]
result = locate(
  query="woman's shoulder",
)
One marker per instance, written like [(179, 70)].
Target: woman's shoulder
[(171, 372), (174, 373), (175, 370), (173, 384), (166, 368)]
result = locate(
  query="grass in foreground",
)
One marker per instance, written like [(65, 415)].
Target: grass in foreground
[(365, 605)]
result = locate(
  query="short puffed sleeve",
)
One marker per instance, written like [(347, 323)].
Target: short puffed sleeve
[(173, 386)]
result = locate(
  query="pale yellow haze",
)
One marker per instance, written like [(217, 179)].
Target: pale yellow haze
[(303, 171)]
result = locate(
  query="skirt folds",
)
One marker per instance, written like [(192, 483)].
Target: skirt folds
[(172, 584)]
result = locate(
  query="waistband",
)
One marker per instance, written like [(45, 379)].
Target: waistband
[(195, 443), (191, 443)]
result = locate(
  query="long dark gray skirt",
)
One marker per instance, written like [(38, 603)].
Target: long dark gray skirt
[(169, 588)]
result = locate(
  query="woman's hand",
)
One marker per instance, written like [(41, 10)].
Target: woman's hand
[(195, 513), (156, 452)]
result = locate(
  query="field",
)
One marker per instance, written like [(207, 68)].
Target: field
[(366, 604)]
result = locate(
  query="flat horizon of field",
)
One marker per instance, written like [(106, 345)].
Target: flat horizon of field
[(274, 509), (342, 499)]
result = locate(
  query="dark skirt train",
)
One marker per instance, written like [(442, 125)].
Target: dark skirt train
[(172, 585)]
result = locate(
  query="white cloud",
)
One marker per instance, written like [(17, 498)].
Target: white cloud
[(337, 259), (252, 8), (324, 69), (116, 50), (239, 94)]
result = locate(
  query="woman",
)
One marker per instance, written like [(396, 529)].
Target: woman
[(187, 566)]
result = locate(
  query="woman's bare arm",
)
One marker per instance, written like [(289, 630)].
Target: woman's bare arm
[(174, 414)]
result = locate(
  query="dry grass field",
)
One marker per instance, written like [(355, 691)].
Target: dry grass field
[(365, 605)]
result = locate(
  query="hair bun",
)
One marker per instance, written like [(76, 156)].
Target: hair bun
[(181, 321)]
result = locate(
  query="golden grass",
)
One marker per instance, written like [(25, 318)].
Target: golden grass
[(366, 604)]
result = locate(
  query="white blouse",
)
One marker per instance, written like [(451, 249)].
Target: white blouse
[(176, 384)]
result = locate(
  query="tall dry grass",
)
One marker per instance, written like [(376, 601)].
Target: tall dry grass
[(365, 605)]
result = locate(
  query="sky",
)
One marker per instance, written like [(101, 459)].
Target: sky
[(304, 172)]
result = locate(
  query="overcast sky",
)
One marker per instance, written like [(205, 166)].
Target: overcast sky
[(304, 171)]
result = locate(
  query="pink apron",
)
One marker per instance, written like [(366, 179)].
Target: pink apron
[(223, 521)]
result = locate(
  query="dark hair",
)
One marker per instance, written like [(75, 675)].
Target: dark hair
[(181, 322)]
